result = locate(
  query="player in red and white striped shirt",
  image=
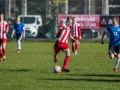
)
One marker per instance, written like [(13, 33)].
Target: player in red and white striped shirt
[(76, 33), (3, 37), (62, 43)]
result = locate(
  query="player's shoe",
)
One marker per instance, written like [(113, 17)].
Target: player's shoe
[(55, 61), (4, 57), (18, 51), (75, 52), (115, 69), (1, 59), (65, 70)]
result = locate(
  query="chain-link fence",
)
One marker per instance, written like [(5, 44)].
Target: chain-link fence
[(41, 16)]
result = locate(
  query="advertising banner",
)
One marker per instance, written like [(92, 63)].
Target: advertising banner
[(85, 21), (106, 20)]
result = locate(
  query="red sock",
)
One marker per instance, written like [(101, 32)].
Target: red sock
[(76, 47), (66, 60), (0, 53), (73, 47), (4, 51)]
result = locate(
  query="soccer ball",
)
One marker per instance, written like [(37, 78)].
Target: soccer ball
[(56, 69)]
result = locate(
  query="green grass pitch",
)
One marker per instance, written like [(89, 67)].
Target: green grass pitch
[(31, 69)]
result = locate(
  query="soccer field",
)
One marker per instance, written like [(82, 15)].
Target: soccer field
[(31, 69)]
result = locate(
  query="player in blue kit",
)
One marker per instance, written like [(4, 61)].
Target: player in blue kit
[(114, 42), (19, 29)]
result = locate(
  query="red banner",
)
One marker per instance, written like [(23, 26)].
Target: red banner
[(85, 21)]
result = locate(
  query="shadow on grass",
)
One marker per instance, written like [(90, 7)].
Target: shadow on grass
[(16, 70), (96, 75), (89, 78), (85, 79), (23, 52)]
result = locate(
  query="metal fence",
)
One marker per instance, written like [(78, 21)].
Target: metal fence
[(49, 11)]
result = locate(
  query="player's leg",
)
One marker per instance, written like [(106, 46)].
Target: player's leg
[(73, 47), (1, 55), (19, 45), (4, 49), (117, 50), (55, 57), (76, 45), (66, 60), (111, 56), (56, 51), (116, 62), (19, 37), (111, 52)]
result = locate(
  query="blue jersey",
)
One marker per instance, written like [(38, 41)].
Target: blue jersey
[(18, 27), (114, 32)]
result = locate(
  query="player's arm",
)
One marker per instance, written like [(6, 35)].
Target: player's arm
[(74, 39), (79, 32), (24, 32), (13, 31), (58, 35), (7, 28), (102, 41), (105, 31), (62, 28)]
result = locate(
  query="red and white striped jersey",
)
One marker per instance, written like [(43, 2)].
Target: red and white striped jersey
[(75, 30), (3, 27), (63, 35)]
